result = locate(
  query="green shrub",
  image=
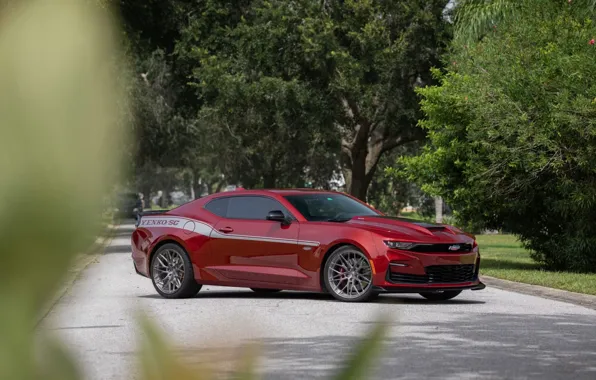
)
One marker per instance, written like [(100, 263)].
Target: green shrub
[(512, 133)]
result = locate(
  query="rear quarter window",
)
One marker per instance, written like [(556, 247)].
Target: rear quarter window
[(253, 207), (218, 207)]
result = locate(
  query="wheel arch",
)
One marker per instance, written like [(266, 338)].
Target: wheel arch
[(160, 243), (332, 248)]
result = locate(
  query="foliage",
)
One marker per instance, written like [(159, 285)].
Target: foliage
[(283, 93), (331, 82), (59, 145), (512, 133), (475, 18), (390, 193)]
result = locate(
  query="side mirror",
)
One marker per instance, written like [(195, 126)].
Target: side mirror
[(277, 216)]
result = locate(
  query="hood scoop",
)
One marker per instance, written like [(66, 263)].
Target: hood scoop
[(437, 229), (425, 228)]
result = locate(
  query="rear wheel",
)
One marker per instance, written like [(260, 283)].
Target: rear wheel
[(348, 275), (441, 296), (265, 291), (172, 274)]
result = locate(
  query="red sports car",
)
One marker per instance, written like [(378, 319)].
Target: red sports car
[(272, 240)]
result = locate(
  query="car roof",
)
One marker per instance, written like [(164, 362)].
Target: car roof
[(280, 192), (300, 191)]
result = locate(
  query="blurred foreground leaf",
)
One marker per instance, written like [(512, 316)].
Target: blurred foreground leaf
[(56, 363), (247, 364), (59, 143), (364, 354), (159, 362)]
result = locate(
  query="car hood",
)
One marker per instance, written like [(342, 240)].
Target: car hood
[(411, 230)]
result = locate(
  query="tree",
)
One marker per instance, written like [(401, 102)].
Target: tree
[(375, 54), (164, 130), (341, 74), (512, 133), (475, 18)]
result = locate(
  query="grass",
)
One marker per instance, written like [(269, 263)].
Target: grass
[(504, 257)]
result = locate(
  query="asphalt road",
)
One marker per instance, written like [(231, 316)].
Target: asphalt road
[(490, 334)]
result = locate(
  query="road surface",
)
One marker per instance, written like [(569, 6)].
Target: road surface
[(490, 334)]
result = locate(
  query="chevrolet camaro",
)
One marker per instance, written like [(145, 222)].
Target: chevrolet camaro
[(273, 240)]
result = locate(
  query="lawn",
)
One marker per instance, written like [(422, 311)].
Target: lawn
[(504, 257)]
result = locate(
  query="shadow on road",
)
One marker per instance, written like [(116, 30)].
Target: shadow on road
[(397, 299), (291, 295), (479, 346), (252, 295)]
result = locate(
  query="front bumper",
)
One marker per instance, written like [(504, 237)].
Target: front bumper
[(436, 288), (402, 271)]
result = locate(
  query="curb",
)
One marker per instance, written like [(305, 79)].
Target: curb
[(585, 300), (80, 263)]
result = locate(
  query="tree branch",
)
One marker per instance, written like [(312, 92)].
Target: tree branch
[(363, 125)]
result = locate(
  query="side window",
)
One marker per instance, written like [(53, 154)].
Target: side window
[(253, 207), (218, 206)]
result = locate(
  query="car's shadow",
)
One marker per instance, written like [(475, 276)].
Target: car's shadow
[(289, 295)]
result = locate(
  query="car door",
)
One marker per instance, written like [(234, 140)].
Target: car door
[(252, 250)]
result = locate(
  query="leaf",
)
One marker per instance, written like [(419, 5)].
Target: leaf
[(57, 364), (364, 354), (247, 364), (158, 361)]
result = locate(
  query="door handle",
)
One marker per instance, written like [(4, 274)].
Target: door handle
[(226, 230)]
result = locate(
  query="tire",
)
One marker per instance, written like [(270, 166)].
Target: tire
[(441, 296), (356, 284), (265, 291), (183, 284)]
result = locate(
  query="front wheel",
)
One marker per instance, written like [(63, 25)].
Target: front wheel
[(172, 274), (441, 296), (348, 275)]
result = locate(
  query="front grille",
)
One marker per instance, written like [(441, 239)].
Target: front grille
[(450, 273), (437, 274), (408, 278), (442, 248)]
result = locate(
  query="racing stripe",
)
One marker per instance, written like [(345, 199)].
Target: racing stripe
[(202, 228)]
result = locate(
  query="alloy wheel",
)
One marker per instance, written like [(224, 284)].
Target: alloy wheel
[(349, 274), (168, 271)]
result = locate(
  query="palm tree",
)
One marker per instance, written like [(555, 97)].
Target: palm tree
[(473, 18)]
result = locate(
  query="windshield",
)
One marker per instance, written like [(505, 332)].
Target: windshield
[(328, 207)]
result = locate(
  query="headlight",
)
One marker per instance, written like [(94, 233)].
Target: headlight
[(399, 244)]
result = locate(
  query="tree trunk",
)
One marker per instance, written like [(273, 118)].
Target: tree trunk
[(146, 191), (196, 188), (270, 179), (363, 143), (219, 186), (165, 198), (359, 167), (439, 209)]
